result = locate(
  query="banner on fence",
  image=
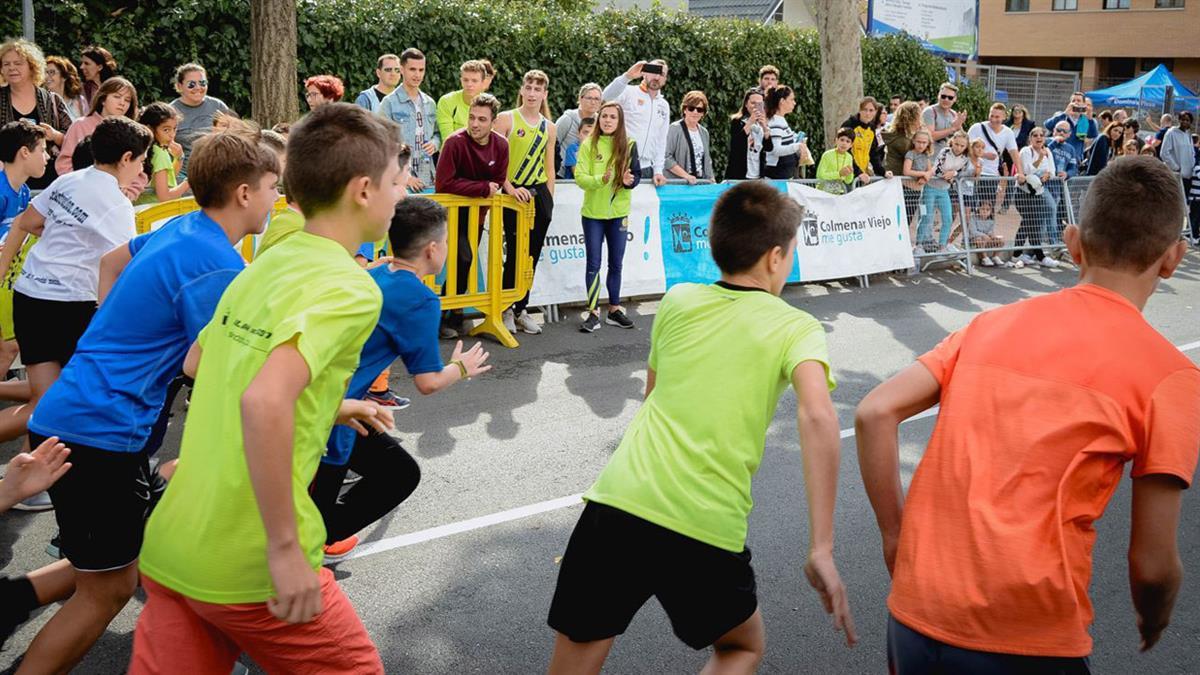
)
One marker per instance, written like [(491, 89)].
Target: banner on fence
[(862, 232)]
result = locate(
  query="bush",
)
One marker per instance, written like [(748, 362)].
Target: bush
[(344, 37)]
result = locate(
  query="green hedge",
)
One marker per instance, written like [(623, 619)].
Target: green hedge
[(344, 37)]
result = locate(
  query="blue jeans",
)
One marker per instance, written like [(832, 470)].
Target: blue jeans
[(935, 198), (595, 232), (911, 653)]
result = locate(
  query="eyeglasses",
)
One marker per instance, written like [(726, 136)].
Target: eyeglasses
[(1062, 131), (947, 97), (695, 109), (1037, 135), (592, 99), (192, 84), (392, 69)]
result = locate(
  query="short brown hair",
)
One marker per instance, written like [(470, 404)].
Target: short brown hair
[(1132, 212), (379, 61), (474, 66), (486, 100), (331, 146), (999, 106), (868, 100), (411, 54), (223, 160), (749, 220), (694, 99), (948, 85)]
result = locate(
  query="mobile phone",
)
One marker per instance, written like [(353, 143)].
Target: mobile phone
[(652, 69)]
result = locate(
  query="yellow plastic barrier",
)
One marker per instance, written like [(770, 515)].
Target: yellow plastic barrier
[(491, 301)]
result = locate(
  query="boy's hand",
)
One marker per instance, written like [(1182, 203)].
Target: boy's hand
[(32, 472), (823, 576), (358, 415), (1150, 633), (474, 358), (845, 171), (297, 586)]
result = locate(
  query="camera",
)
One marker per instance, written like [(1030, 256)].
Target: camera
[(652, 69)]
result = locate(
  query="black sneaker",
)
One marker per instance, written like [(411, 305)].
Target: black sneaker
[(590, 324), (54, 548), (618, 319)]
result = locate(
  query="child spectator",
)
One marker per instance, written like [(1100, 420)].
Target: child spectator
[(866, 149), (975, 587), (981, 229), (166, 156), (570, 155), (609, 169), (116, 97), (918, 166), (837, 168), (951, 161)]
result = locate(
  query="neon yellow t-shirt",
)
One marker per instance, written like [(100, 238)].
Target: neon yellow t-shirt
[(453, 113), (722, 358), (160, 160), (282, 225), (206, 538)]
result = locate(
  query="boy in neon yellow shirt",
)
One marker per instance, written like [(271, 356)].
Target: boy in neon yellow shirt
[(231, 555), (837, 164)]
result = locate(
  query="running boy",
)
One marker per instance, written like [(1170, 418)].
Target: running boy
[(407, 329), (667, 516), (112, 391), (990, 552), (232, 552)]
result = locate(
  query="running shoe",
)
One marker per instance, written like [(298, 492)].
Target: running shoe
[(509, 320), (39, 502), (986, 261), (1049, 263), (618, 319), (388, 399), (590, 324), (340, 550), (951, 248), (526, 324), (351, 478)]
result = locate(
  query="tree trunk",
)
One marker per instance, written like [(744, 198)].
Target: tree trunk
[(841, 63), (273, 78)]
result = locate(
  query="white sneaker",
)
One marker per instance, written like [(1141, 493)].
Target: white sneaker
[(1049, 262), (36, 502), (526, 324), (1017, 264), (509, 323), (951, 248), (1026, 259), (986, 261)]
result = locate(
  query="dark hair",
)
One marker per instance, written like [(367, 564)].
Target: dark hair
[(845, 133), (486, 100), (379, 61), (103, 58), (587, 122), (190, 67), (331, 146), (749, 220), (1186, 114), (223, 160), (150, 117), (896, 96), (82, 157), (330, 86), (411, 54), (1131, 213), (115, 136), (416, 222), (111, 86), (72, 86), (16, 135), (774, 96), (744, 112)]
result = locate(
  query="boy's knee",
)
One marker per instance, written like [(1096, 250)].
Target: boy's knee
[(113, 588)]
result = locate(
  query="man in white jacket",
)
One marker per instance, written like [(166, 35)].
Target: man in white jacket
[(1177, 151), (647, 113)]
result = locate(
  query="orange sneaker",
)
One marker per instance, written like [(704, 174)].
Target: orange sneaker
[(340, 550)]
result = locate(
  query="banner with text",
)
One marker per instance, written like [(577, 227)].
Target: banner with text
[(862, 232), (945, 27)]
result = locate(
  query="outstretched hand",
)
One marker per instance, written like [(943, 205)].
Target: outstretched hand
[(474, 359), (358, 415), (32, 472), (823, 576)]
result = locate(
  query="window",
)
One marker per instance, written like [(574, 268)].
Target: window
[(1016, 5), (1116, 4), (1066, 5), (1148, 64), (1074, 64), (1168, 4)]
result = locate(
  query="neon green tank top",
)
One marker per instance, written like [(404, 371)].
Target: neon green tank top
[(527, 150)]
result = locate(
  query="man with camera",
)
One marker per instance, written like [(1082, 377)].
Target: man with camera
[(1083, 130), (647, 113)]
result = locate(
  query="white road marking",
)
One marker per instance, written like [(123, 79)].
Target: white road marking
[(421, 536)]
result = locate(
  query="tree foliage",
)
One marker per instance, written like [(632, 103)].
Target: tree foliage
[(344, 37)]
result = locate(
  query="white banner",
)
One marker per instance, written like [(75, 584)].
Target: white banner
[(943, 26), (862, 232), (559, 277)]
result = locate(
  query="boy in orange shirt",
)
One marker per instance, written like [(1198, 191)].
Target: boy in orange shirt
[(990, 552)]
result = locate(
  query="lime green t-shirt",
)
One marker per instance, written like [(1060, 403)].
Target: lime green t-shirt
[(160, 160), (722, 358), (206, 539), (453, 113), (282, 226)]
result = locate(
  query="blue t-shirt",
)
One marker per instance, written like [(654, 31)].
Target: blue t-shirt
[(407, 328), (12, 203), (113, 389)]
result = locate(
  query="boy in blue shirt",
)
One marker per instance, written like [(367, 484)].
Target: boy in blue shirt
[(572, 152), (112, 390), (408, 329)]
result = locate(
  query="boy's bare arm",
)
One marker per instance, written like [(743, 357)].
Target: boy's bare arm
[(876, 421), (1155, 570), (30, 221)]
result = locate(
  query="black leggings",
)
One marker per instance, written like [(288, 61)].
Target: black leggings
[(543, 204), (389, 476)]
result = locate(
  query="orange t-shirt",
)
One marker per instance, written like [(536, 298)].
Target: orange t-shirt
[(1042, 404)]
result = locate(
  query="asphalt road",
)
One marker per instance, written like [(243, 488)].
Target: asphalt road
[(471, 595)]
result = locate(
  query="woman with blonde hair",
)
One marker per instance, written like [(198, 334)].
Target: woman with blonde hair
[(23, 68), (897, 142)]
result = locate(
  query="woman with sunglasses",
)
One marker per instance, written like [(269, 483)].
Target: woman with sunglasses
[(688, 155), (196, 108)]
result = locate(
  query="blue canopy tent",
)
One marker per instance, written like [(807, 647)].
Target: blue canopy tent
[(1147, 90)]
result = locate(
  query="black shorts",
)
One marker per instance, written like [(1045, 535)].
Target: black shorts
[(614, 563), (101, 506), (49, 330)]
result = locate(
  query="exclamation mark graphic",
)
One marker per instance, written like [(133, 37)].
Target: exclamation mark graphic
[(646, 240), (899, 230)]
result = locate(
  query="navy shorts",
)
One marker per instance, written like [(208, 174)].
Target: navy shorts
[(911, 653)]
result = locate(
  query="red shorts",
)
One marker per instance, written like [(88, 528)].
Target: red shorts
[(175, 632)]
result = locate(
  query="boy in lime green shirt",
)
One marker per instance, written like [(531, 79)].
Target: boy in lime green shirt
[(667, 516), (236, 543), (837, 164), (454, 109)]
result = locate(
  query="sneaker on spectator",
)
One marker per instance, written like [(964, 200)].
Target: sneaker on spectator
[(590, 324), (951, 248), (509, 321), (986, 261), (388, 399), (918, 250), (1049, 263), (618, 319), (1026, 259), (340, 550), (526, 324), (39, 502)]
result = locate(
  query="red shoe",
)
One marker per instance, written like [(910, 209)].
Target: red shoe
[(340, 550)]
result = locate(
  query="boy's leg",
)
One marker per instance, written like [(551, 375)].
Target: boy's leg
[(740, 650), (389, 476), (170, 636), (325, 489), (1195, 219), (578, 658), (615, 235), (593, 240), (63, 642), (543, 209)]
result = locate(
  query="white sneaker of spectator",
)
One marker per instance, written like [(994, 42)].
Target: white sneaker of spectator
[(951, 248), (527, 324), (1049, 262), (986, 261), (509, 322), (1026, 259)]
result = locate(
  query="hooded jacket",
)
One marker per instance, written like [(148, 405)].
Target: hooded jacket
[(867, 153)]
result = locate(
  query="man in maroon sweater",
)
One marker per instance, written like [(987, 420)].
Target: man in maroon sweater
[(473, 163)]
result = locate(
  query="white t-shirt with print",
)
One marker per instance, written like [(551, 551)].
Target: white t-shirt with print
[(1005, 139), (86, 216)]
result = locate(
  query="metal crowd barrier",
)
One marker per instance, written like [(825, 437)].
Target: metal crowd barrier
[(491, 300), (1028, 231)]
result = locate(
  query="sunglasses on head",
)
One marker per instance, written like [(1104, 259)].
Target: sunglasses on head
[(947, 97), (197, 83), (695, 108)]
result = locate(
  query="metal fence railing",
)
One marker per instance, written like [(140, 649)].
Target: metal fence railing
[(1044, 92), (1027, 232)]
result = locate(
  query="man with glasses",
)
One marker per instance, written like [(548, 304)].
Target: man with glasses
[(416, 113), (941, 119), (387, 72), (567, 126), (647, 113), (196, 108), (1083, 131)]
